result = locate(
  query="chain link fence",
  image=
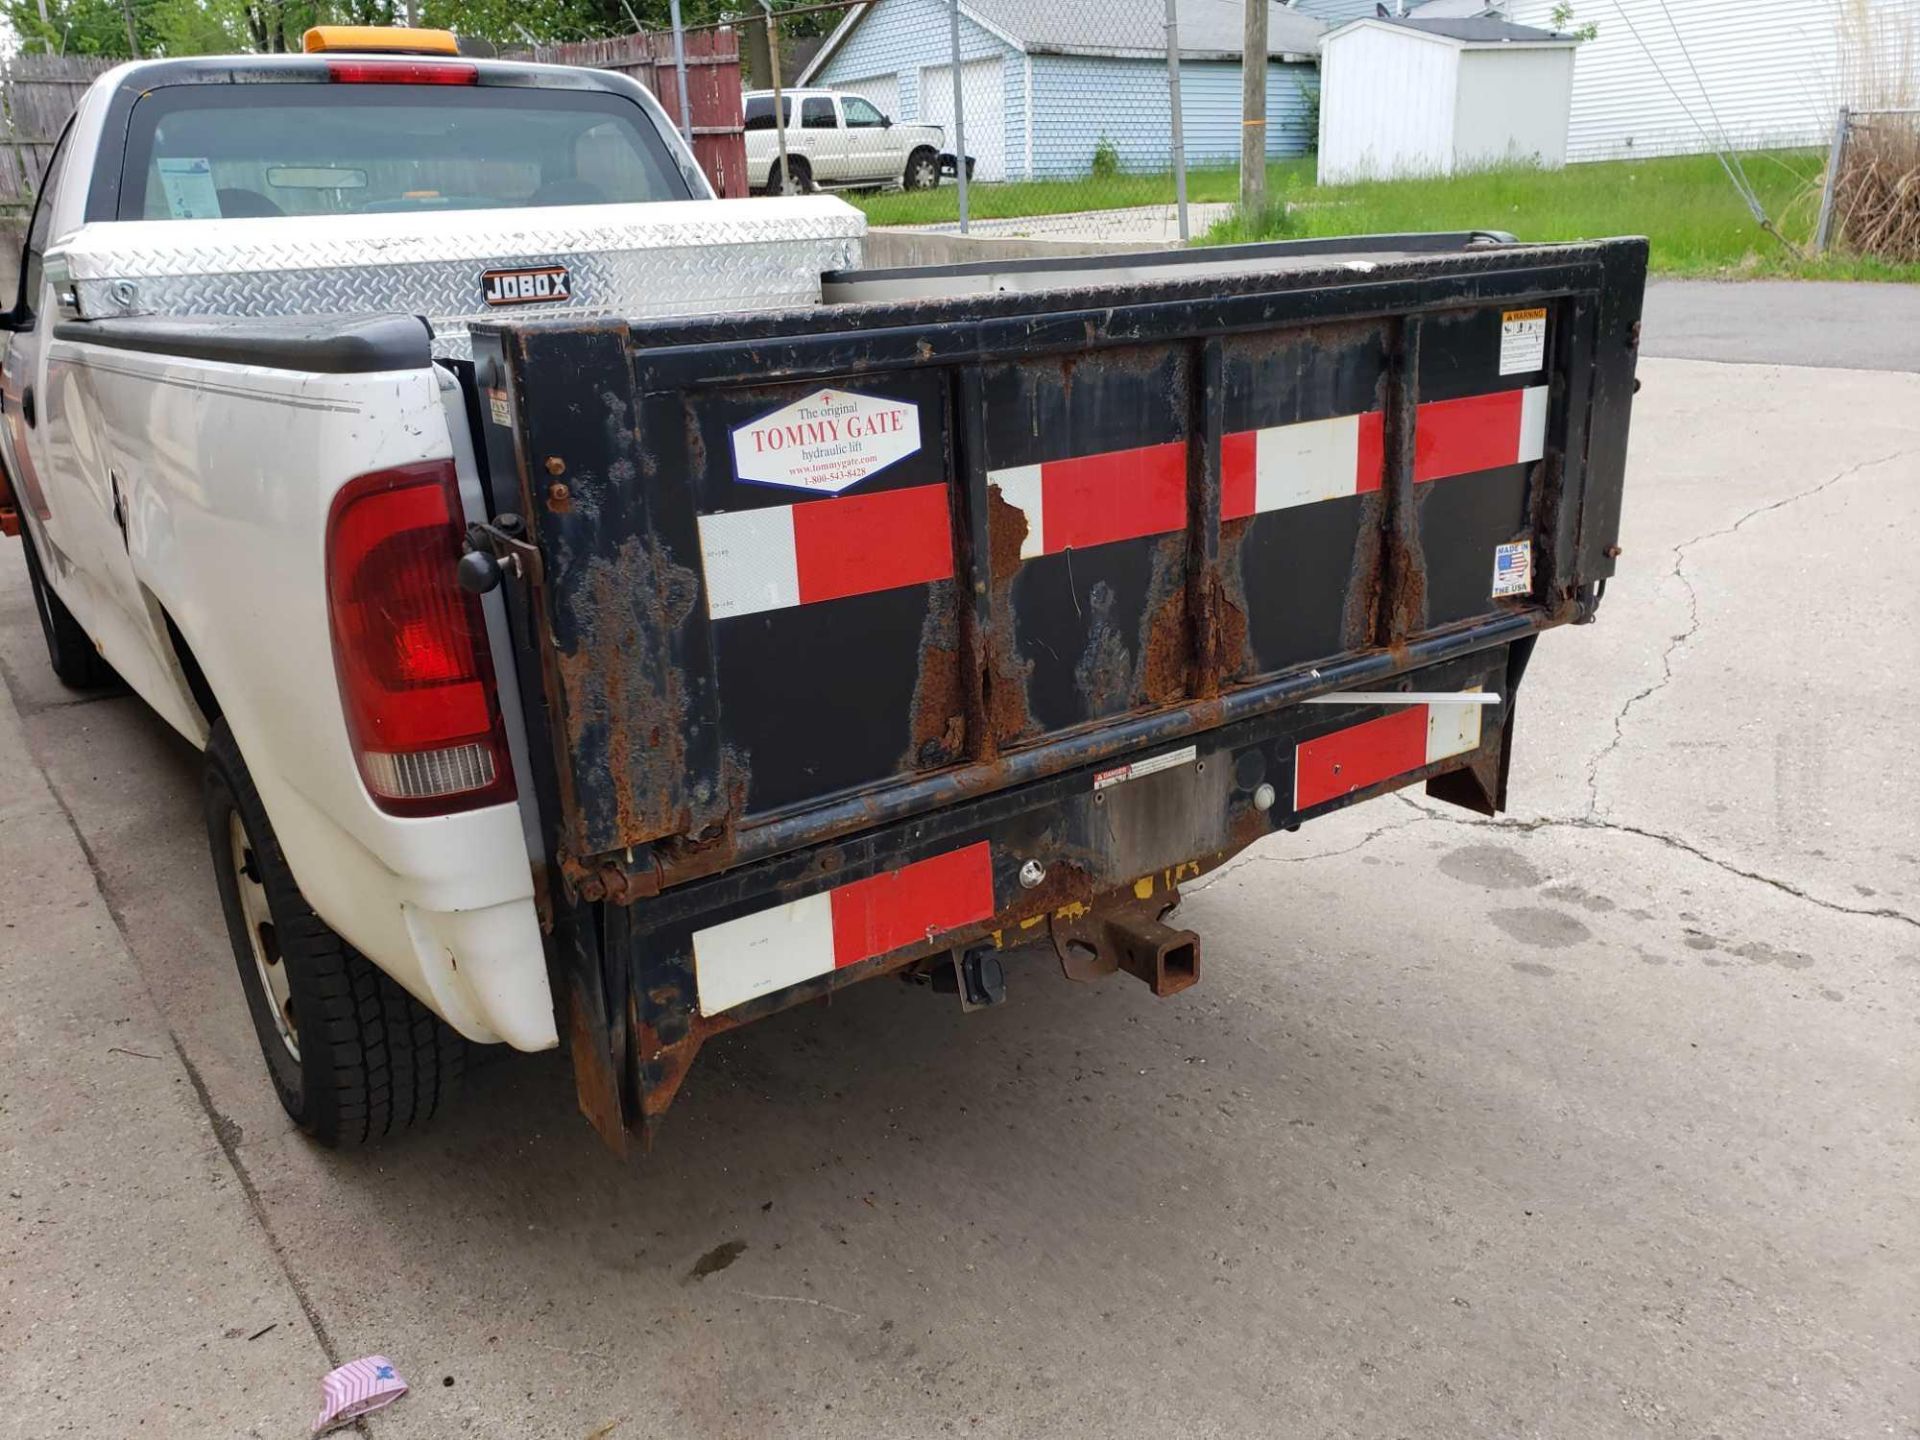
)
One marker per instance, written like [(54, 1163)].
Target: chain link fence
[(1090, 120), (1870, 197)]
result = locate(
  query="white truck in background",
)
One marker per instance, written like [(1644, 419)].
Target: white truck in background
[(837, 141)]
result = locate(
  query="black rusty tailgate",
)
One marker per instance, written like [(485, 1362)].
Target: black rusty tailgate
[(804, 573)]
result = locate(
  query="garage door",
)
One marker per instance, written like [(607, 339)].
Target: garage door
[(980, 80), (882, 90)]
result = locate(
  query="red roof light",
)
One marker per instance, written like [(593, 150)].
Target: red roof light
[(402, 72)]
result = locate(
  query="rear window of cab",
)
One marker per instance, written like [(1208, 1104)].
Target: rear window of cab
[(295, 149)]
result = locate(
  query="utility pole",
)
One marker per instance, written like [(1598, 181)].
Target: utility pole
[(1253, 106), (680, 72), (1179, 126), (959, 111), (779, 106), (133, 35)]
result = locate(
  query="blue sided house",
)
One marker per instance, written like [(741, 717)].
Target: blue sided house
[(1046, 83)]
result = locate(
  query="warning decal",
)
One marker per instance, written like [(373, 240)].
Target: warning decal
[(1523, 341), (1139, 768), (1513, 569), (828, 442)]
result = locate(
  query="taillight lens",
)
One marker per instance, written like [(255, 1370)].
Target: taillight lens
[(410, 648), (401, 72)]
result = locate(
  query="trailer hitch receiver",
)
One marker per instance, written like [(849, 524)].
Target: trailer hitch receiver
[(1166, 958), (1092, 944)]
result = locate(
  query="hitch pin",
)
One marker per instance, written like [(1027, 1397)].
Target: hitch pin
[(1404, 697)]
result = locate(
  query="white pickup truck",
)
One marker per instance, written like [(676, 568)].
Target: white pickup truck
[(240, 458), (838, 141), (605, 610)]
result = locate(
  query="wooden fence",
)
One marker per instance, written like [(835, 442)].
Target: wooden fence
[(713, 90), (37, 94)]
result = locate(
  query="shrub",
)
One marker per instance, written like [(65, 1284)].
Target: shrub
[(1106, 160), (1877, 192)]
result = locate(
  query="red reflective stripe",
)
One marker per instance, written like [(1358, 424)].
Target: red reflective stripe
[(1359, 756), (1458, 437), (1372, 462), (1121, 495), (1239, 452), (906, 907), (1125, 494), (857, 544)]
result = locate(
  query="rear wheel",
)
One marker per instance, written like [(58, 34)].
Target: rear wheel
[(922, 172), (802, 177), (352, 1056), (69, 648)]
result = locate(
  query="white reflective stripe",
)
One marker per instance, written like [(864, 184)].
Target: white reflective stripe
[(1404, 697), (1453, 728), (748, 556), (1533, 423), (1305, 463), (1019, 486), (760, 953)]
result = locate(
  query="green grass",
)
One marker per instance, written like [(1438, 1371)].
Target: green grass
[(1685, 205), (1051, 197), (1694, 220)]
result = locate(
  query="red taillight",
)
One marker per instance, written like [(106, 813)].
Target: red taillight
[(410, 646), (401, 72)]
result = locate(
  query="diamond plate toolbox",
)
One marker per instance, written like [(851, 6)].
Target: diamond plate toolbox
[(694, 257)]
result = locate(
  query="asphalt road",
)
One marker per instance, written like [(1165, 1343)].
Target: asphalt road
[(1785, 322), (1594, 1121)]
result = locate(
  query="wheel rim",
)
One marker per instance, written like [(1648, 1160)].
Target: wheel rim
[(263, 940), (923, 175)]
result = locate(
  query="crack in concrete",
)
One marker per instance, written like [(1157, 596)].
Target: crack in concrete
[(1672, 842), (1678, 572)]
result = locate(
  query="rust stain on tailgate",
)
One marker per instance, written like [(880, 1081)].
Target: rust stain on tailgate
[(625, 695)]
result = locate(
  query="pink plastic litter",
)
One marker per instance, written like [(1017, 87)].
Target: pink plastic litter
[(357, 1388)]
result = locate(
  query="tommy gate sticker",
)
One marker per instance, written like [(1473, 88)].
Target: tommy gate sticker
[(827, 442)]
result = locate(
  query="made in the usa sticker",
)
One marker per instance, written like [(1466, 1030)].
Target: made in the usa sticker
[(1513, 569)]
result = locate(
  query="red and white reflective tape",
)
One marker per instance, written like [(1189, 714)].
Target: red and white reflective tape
[(1129, 494), (784, 555), (1363, 755), (1097, 499), (757, 954)]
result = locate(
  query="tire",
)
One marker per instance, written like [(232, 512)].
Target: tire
[(70, 650), (802, 177), (353, 1057), (922, 172)]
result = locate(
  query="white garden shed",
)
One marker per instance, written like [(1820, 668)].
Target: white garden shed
[(1433, 96)]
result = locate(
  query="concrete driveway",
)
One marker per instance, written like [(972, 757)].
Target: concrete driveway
[(1597, 1120)]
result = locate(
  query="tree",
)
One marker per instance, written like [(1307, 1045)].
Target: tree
[(82, 27)]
